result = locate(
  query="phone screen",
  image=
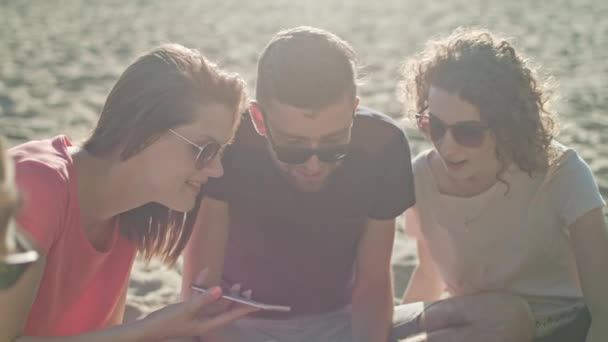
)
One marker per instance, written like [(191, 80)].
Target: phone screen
[(242, 300)]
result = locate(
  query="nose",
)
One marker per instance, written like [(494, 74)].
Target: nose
[(447, 145), (214, 169), (312, 165)]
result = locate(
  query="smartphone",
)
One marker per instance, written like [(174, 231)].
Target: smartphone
[(246, 301)]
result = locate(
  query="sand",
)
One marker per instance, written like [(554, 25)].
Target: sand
[(58, 60)]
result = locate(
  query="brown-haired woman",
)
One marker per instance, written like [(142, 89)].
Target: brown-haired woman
[(508, 221), (132, 186)]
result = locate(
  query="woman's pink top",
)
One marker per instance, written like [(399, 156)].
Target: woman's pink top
[(81, 286)]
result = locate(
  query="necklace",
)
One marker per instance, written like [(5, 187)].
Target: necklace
[(492, 197)]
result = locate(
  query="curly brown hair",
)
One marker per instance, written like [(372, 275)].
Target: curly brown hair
[(484, 70)]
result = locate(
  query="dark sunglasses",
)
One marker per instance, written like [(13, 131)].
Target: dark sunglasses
[(206, 153), (465, 133), (13, 266), (300, 155)]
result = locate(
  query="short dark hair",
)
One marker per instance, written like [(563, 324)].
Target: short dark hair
[(306, 67)]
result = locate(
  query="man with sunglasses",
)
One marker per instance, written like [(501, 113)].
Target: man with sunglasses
[(305, 212)]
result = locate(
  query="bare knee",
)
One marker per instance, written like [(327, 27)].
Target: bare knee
[(506, 315), (519, 323)]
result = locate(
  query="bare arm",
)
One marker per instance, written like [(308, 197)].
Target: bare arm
[(127, 333), (15, 302), (372, 300), (425, 283), (589, 236), (206, 247), (119, 310), (171, 322)]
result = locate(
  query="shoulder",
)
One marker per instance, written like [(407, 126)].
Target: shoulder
[(246, 135), (42, 172), (571, 186), (246, 148), (42, 162), (373, 123), (421, 160), (567, 164), (43, 179), (421, 164), (374, 130)]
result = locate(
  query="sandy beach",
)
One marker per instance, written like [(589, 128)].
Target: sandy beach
[(59, 59)]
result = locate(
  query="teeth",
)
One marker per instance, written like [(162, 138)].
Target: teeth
[(196, 184)]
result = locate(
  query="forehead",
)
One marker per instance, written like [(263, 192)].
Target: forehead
[(450, 108), (211, 120), (310, 123)]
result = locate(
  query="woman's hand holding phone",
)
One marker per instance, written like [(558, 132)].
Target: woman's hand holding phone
[(190, 318)]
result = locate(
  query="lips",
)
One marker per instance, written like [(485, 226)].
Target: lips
[(455, 164), (309, 176)]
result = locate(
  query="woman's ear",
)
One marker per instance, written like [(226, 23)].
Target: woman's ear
[(258, 119)]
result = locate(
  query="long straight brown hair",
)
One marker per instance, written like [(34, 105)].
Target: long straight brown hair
[(160, 90)]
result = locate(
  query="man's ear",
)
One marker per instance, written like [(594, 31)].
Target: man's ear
[(258, 119), (356, 102)]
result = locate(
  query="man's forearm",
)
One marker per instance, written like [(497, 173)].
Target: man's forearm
[(422, 288), (372, 314)]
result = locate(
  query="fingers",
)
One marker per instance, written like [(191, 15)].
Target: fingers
[(222, 305), (201, 277), (247, 294), (235, 290), (223, 319)]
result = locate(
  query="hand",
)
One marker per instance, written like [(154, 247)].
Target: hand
[(190, 318), (223, 305)]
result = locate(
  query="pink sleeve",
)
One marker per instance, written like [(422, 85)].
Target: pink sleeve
[(44, 192)]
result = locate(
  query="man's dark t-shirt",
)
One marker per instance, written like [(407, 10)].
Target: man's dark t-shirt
[(299, 249)]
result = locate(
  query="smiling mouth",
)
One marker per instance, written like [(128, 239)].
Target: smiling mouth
[(195, 185), (310, 176), (457, 164)]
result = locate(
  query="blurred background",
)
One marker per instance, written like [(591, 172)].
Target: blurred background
[(59, 59)]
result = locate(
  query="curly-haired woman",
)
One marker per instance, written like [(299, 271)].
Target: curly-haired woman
[(508, 222)]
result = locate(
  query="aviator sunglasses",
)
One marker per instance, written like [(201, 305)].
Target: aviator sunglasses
[(300, 155), (206, 153), (465, 133)]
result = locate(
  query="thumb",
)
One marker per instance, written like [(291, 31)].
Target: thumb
[(225, 318), (199, 301), (201, 277)]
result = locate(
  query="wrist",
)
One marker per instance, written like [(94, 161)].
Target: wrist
[(147, 329)]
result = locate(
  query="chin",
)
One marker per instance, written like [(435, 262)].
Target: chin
[(182, 205), (308, 186)]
